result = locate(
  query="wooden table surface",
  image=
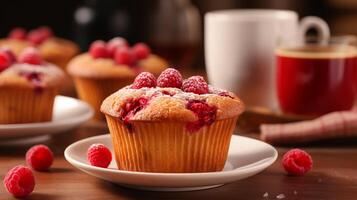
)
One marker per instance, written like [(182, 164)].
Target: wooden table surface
[(334, 176)]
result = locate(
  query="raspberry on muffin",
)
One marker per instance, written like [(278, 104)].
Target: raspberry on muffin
[(109, 66), (52, 49), (161, 127), (170, 78), (144, 79)]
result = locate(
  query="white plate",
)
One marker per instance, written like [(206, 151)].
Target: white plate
[(67, 113), (246, 158)]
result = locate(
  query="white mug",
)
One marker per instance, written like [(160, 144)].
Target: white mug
[(239, 49)]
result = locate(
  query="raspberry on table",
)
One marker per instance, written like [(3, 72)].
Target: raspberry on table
[(297, 162), (125, 56), (6, 59), (30, 56), (170, 78), (99, 155), (19, 181), (17, 33), (39, 157), (114, 44), (144, 79), (98, 49), (141, 50), (195, 84)]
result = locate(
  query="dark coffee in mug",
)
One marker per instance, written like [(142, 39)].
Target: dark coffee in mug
[(315, 79)]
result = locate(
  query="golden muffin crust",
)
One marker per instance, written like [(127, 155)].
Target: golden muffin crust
[(85, 65), (32, 76), (58, 48), (16, 46), (171, 104)]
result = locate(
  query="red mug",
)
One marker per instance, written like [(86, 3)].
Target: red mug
[(316, 79)]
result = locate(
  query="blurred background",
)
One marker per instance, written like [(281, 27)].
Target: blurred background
[(173, 28)]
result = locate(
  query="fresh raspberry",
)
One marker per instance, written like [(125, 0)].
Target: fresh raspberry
[(6, 59), (17, 33), (19, 181), (195, 84), (99, 155), (38, 36), (124, 56), (114, 44), (98, 49), (39, 157), (34, 77), (45, 32), (297, 162), (141, 50), (130, 108), (34, 37), (30, 56), (144, 79), (9, 53), (170, 78), (206, 114)]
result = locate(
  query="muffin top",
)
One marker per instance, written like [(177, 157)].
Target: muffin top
[(28, 70), (169, 98), (42, 38), (55, 47), (115, 59), (16, 46)]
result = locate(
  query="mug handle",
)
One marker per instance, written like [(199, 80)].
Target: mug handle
[(323, 30)]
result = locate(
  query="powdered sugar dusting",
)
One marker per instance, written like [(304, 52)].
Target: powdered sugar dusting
[(266, 195), (215, 90), (50, 74), (280, 196), (173, 92), (45, 68)]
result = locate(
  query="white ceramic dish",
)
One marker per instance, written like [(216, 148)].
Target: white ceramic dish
[(68, 113), (246, 158)]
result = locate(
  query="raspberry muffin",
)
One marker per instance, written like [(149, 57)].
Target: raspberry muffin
[(110, 66), (28, 86), (170, 125), (53, 49)]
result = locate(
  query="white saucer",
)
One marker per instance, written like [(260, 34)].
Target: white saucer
[(246, 158), (67, 114)]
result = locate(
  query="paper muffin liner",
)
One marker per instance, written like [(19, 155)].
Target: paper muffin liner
[(94, 91), (169, 147), (26, 105)]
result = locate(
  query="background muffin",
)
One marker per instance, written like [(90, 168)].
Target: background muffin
[(53, 49), (28, 86), (110, 66), (171, 126)]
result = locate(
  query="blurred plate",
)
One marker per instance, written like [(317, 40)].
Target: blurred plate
[(68, 113), (246, 158)]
